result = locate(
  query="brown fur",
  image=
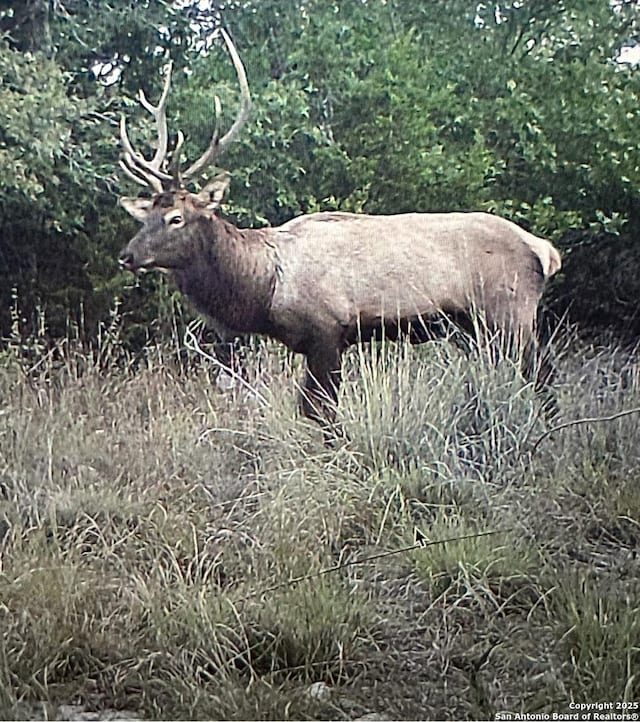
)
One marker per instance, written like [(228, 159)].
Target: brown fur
[(322, 281)]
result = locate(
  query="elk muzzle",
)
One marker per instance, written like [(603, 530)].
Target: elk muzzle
[(125, 260)]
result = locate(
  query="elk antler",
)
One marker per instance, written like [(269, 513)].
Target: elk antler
[(155, 173), (135, 165), (219, 145)]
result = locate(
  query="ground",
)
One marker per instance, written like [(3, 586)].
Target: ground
[(151, 526)]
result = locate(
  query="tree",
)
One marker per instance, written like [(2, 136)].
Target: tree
[(58, 154), (517, 107), (27, 25), (520, 108), (472, 81)]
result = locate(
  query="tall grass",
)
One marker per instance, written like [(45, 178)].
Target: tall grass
[(150, 527)]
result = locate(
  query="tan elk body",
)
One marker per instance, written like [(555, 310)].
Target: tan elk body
[(322, 281)]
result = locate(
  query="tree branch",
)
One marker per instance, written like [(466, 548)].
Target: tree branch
[(586, 420)]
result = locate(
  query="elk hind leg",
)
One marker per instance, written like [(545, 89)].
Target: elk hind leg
[(537, 367)]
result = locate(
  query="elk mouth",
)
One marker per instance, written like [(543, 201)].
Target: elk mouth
[(128, 263)]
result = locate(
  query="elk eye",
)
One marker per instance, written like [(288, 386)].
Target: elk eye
[(175, 220)]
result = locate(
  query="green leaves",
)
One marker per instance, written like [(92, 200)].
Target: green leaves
[(518, 107), (37, 123), (383, 106)]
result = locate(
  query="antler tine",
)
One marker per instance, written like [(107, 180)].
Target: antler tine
[(217, 111), (174, 165), (245, 107), (133, 164), (138, 179), (219, 145), (137, 167), (136, 161), (159, 113)]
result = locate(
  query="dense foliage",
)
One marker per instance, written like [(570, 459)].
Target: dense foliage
[(525, 108)]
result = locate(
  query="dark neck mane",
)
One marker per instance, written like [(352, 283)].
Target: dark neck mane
[(232, 276)]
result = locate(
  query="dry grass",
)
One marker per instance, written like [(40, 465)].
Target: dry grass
[(149, 526)]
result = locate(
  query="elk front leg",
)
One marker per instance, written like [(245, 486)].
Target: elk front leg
[(319, 397)]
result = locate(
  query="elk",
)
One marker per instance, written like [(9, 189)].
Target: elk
[(324, 281)]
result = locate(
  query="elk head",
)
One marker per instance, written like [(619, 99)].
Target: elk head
[(162, 241)]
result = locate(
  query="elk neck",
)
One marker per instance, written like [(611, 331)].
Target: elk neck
[(232, 275)]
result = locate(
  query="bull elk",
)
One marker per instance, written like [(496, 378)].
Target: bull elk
[(323, 281)]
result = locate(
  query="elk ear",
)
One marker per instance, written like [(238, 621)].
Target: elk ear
[(137, 207), (210, 197)]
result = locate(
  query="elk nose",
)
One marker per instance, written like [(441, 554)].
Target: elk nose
[(126, 260)]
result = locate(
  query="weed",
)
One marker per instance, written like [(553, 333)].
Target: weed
[(150, 527)]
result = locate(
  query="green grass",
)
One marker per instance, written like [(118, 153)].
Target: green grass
[(150, 528)]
